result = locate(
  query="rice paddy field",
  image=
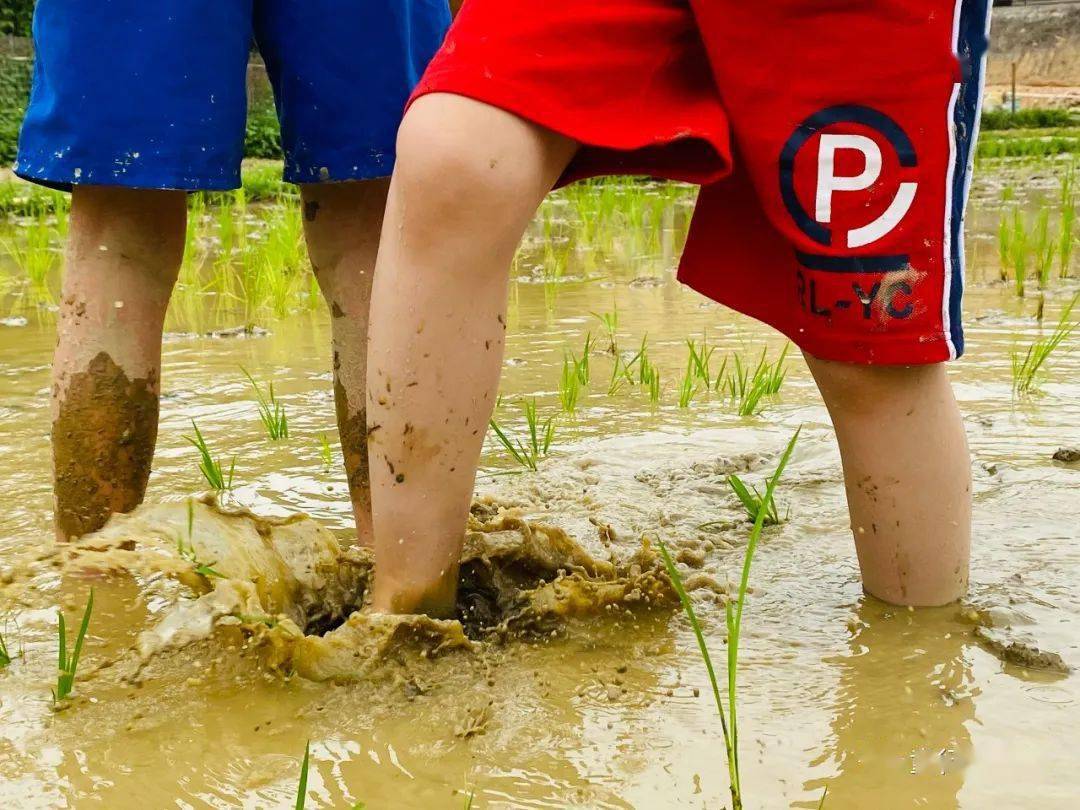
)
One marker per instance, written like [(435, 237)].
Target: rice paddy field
[(630, 408)]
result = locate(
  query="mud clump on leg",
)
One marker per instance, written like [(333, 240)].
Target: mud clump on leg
[(354, 446), (291, 591), (103, 445)]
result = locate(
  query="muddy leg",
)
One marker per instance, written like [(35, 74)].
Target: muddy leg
[(468, 179), (342, 222), (123, 256), (907, 472)]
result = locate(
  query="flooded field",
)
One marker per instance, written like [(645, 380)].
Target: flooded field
[(592, 700)]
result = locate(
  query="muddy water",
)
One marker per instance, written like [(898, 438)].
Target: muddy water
[(886, 708)]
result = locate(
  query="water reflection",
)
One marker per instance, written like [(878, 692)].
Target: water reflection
[(904, 704)]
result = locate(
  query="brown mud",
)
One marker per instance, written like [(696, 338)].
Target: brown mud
[(289, 589), (352, 428), (883, 707), (1019, 651), (103, 445)]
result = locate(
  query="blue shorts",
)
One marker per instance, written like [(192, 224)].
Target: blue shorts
[(153, 94)]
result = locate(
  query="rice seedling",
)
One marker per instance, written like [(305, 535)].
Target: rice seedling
[(1044, 248), (1019, 248), (69, 664), (1067, 221), (620, 376), (1004, 247), (729, 720), (325, 452), (610, 322), (746, 389), (688, 385), (1027, 367), (284, 248), (301, 789), (209, 466), (622, 372), (238, 209), (648, 374), (753, 501), (569, 386), (537, 441), (195, 214), (582, 365), (62, 219), (271, 412), (1033, 147), (1032, 118), (700, 358), (227, 233), (187, 550), (5, 654), (23, 199), (33, 255), (262, 183), (642, 357), (282, 285), (552, 270), (574, 377), (653, 384)]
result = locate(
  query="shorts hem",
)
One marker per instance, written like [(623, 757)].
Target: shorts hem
[(883, 350), (64, 178), (374, 165), (618, 156)]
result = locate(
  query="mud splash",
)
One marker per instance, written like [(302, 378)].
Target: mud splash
[(289, 589)]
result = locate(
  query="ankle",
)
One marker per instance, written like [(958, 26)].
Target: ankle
[(436, 599)]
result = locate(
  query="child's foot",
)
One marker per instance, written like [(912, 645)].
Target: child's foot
[(435, 599)]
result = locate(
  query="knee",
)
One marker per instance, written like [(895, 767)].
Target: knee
[(139, 226), (342, 222), (862, 390), (449, 170)]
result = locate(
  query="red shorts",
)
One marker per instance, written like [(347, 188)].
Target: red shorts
[(833, 138)]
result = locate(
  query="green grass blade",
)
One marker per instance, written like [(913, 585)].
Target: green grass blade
[(744, 584), (5, 655), (515, 451), (695, 625), (749, 502), (301, 790), (62, 664), (84, 626)]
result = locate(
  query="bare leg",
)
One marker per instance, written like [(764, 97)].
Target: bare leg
[(342, 222), (469, 177), (123, 256), (907, 472)]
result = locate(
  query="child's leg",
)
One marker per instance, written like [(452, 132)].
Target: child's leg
[(123, 256), (468, 180), (342, 222), (908, 477)]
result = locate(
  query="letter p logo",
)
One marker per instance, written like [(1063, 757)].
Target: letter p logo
[(830, 181), (827, 179)]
